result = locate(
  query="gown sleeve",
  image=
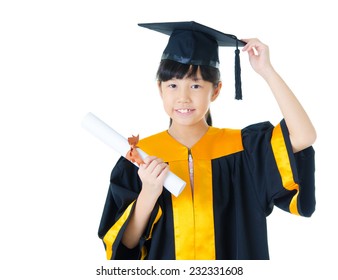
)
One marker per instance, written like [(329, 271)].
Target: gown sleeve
[(280, 177), (123, 191)]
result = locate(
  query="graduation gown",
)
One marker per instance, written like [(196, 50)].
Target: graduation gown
[(239, 175)]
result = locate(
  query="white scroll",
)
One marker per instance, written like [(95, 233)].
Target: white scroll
[(120, 144)]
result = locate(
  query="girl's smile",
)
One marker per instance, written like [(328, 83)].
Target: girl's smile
[(184, 112)]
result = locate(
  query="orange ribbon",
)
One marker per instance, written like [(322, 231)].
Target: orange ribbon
[(133, 154)]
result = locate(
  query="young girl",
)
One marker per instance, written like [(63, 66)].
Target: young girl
[(234, 177)]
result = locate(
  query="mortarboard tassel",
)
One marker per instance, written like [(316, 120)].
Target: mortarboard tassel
[(238, 82)]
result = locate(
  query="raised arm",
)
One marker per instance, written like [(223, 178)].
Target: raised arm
[(301, 129), (152, 174)]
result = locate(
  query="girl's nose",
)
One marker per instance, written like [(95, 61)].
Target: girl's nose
[(183, 95)]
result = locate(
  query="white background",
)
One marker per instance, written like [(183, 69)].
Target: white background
[(62, 59)]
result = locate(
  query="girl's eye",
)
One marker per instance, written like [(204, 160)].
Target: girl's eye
[(195, 86), (172, 86)]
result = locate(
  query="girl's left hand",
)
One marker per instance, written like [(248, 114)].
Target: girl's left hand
[(259, 55)]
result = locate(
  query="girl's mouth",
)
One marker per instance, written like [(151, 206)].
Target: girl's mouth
[(184, 111)]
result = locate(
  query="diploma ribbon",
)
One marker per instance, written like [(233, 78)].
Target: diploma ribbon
[(133, 154)]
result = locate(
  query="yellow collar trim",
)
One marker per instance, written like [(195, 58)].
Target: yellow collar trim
[(215, 143)]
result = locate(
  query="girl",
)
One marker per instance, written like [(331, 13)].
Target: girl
[(234, 177)]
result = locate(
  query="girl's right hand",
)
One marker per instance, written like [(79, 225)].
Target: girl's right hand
[(259, 56), (152, 174)]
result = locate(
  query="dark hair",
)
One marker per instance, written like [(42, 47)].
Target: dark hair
[(170, 69)]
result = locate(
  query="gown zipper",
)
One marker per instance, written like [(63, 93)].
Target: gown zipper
[(191, 170)]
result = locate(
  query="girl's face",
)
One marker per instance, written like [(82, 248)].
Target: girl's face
[(187, 100)]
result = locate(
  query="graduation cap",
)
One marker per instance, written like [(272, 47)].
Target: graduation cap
[(197, 44)]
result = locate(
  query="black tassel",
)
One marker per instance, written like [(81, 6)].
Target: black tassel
[(238, 82)]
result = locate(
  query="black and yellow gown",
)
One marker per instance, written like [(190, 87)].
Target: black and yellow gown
[(239, 175)]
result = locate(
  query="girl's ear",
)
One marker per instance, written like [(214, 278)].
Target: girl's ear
[(217, 91)]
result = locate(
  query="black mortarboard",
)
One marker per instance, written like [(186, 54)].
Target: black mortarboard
[(197, 44)]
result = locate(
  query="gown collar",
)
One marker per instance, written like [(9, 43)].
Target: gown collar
[(214, 143)]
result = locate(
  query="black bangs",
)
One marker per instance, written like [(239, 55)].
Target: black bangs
[(170, 69)]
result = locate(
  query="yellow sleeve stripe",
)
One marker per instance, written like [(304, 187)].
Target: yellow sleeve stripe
[(112, 233), (283, 163), (158, 216), (144, 249)]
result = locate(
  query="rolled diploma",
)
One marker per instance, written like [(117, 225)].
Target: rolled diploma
[(120, 144)]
